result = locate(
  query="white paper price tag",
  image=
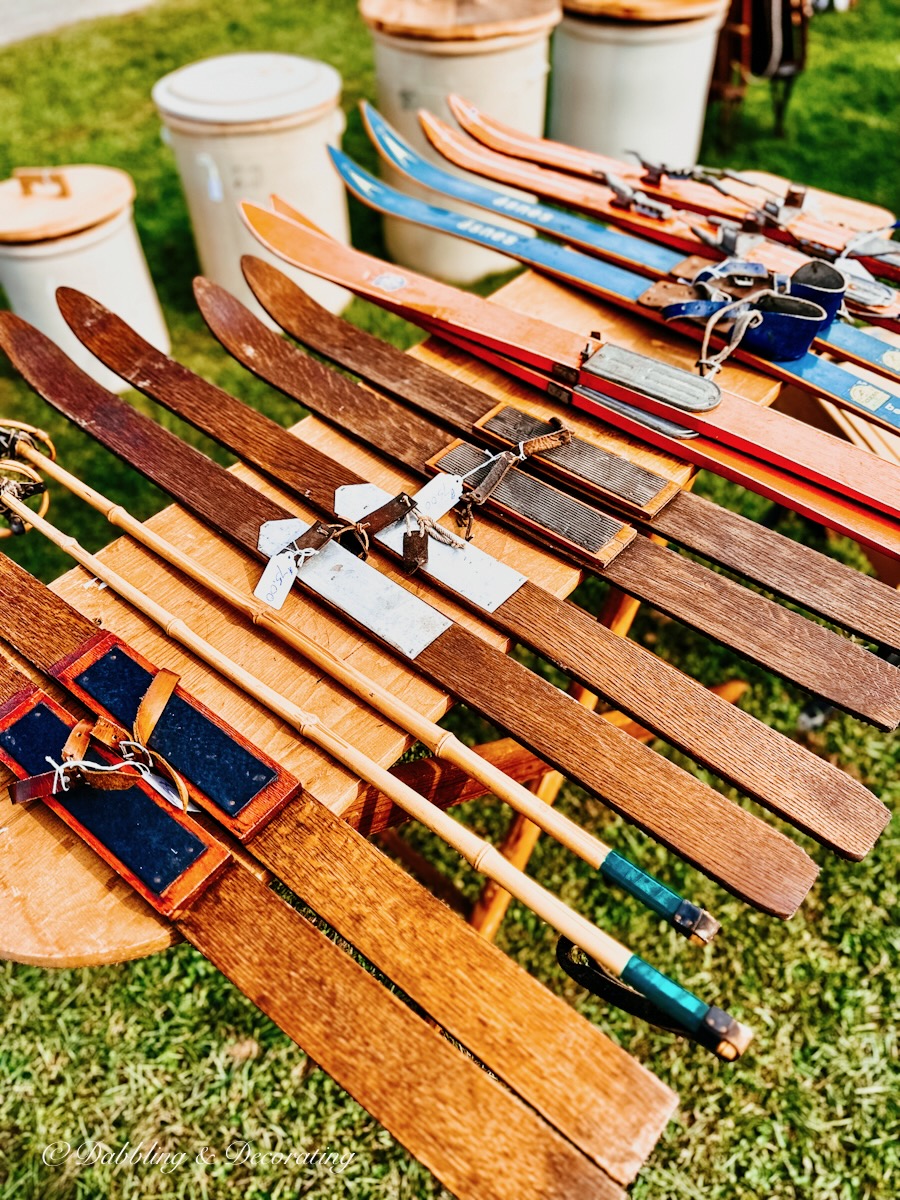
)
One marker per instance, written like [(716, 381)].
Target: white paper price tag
[(439, 495), (277, 578), (169, 792)]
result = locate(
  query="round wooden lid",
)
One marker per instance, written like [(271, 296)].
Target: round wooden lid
[(460, 20), (40, 203), (656, 11)]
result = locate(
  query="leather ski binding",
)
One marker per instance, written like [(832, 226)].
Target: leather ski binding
[(160, 851), (537, 505), (578, 462), (242, 787)]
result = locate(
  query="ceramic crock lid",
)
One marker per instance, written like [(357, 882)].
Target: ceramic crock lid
[(246, 88), (40, 203)]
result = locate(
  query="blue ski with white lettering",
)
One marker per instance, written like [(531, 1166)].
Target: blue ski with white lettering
[(565, 226)]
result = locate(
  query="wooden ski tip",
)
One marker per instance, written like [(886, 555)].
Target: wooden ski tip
[(284, 209), (23, 345), (223, 312), (256, 216), (265, 280), (80, 311)]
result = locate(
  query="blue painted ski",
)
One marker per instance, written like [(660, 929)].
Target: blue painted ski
[(844, 339), (568, 227), (837, 383), (621, 249)]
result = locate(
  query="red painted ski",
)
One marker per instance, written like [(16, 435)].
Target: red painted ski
[(772, 437), (692, 234), (829, 226)]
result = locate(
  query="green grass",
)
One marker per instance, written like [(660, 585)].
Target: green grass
[(166, 1049)]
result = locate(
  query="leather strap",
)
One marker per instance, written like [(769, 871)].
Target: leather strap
[(500, 468), (697, 310), (39, 787), (591, 976), (415, 549), (77, 742), (546, 441), (389, 514), (153, 702), (318, 535)]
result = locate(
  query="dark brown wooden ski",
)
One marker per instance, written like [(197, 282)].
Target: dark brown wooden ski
[(757, 627), (530, 1039), (860, 603), (727, 842)]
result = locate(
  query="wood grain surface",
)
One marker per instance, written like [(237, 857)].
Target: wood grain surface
[(255, 937), (480, 1140), (543, 708), (506, 1018), (776, 637), (465, 1017)]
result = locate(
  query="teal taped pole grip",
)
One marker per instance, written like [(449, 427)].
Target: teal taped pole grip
[(710, 1026), (670, 997), (661, 899), (689, 919)]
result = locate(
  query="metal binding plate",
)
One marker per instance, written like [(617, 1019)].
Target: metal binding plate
[(480, 578), (583, 462), (867, 293), (537, 504), (649, 377), (360, 592)]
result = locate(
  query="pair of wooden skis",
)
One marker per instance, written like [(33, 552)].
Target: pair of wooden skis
[(818, 223), (440, 1104), (659, 253), (663, 235), (574, 741), (786, 460)]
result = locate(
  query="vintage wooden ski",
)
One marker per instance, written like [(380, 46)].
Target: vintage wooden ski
[(663, 227), (402, 1070), (859, 602), (727, 418), (534, 349), (656, 261), (721, 609), (781, 218), (730, 843), (558, 630), (472, 986)]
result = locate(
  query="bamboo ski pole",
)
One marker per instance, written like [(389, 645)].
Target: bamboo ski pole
[(689, 919), (727, 1037)]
